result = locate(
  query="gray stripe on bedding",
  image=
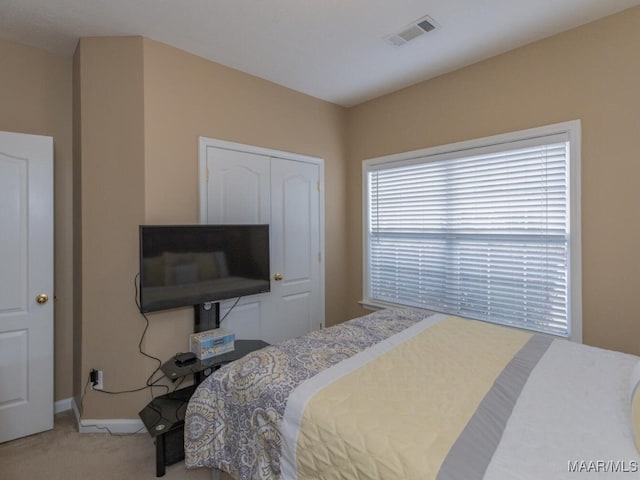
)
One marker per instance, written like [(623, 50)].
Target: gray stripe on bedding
[(471, 453)]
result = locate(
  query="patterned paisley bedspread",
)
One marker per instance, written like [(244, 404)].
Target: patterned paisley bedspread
[(233, 419)]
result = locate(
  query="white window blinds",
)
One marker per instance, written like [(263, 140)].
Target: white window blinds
[(481, 233)]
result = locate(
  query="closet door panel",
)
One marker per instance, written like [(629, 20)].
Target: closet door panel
[(238, 187), (295, 247), (237, 192)]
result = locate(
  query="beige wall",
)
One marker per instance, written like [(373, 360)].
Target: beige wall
[(109, 87), (142, 107), (591, 73), (35, 98)]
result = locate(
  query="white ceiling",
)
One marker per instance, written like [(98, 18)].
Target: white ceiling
[(329, 49)]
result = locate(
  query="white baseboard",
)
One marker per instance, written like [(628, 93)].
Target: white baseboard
[(106, 425), (63, 405)]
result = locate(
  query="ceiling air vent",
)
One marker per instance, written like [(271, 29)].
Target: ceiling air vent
[(412, 31)]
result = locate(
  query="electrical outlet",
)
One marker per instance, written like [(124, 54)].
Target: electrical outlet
[(96, 380)]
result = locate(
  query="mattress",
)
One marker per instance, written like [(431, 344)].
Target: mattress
[(411, 394)]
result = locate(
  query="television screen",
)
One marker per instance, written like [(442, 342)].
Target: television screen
[(182, 265)]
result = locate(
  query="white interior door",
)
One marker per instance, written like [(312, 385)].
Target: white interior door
[(238, 192), (255, 186), (295, 249), (26, 285)]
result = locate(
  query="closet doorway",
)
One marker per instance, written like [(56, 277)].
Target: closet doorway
[(244, 184)]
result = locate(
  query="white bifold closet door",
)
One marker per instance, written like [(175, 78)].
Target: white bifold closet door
[(247, 187)]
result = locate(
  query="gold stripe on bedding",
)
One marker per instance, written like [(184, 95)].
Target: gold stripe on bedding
[(399, 415)]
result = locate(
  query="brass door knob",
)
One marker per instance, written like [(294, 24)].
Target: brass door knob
[(277, 277), (42, 298)]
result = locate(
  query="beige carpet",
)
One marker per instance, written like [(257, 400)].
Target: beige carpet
[(65, 454)]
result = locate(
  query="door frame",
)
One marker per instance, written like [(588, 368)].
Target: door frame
[(203, 175)]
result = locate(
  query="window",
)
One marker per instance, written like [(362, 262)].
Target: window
[(487, 229)]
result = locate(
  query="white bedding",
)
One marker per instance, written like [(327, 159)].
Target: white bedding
[(574, 408), (572, 417)]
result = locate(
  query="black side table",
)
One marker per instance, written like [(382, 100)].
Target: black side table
[(163, 417), (203, 368)]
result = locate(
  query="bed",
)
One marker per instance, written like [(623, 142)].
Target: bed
[(403, 393)]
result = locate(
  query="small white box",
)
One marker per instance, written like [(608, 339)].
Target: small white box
[(211, 343)]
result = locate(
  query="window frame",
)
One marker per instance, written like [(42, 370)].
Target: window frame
[(572, 129)]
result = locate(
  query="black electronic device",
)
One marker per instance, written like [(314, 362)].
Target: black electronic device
[(184, 265), (186, 358)]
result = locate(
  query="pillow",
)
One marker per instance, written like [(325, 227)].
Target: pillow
[(635, 404)]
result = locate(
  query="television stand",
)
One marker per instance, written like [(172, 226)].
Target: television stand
[(203, 368), (163, 417), (206, 316)]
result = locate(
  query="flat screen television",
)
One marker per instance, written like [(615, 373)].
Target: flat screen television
[(183, 265)]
